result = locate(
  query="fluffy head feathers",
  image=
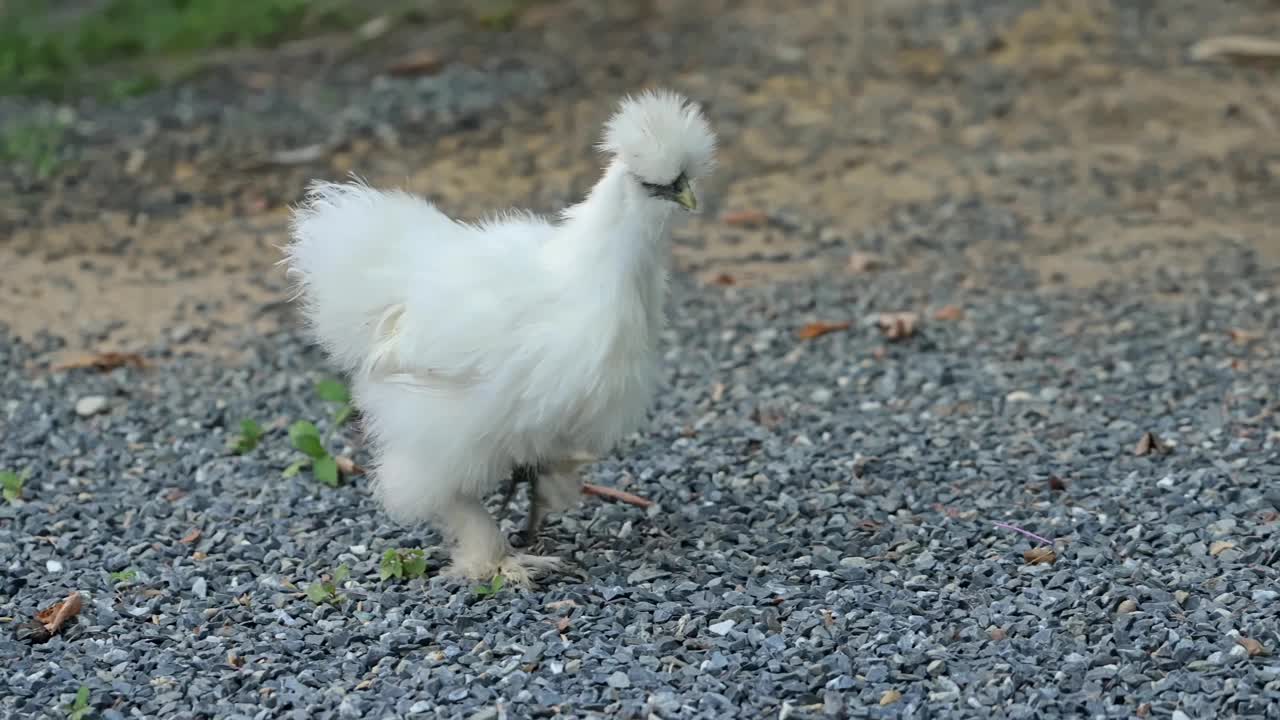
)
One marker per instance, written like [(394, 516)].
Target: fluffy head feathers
[(660, 135)]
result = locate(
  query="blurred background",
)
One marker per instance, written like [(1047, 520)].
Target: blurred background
[(151, 148)]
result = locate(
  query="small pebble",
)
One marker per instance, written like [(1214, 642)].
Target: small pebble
[(90, 405)]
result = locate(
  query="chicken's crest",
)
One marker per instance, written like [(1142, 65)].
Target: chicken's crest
[(660, 135)]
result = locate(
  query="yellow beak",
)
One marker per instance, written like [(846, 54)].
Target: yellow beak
[(686, 198)]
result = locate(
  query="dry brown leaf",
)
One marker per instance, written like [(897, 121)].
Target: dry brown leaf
[(861, 262), (1148, 444), (1251, 646), (1239, 48), (57, 615), (419, 62), (374, 28), (235, 660), (724, 280), (621, 496), (745, 218), (717, 392), (898, 325), (347, 466), (1040, 556), (1057, 484), (562, 624), (364, 684), (102, 361), (191, 537), (1218, 547), (561, 604), (890, 697), (818, 329), (1143, 710), (1243, 337), (948, 313)]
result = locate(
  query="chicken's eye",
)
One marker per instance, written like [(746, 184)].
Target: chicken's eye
[(668, 190)]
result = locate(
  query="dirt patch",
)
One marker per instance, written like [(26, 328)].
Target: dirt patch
[(1084, 121)]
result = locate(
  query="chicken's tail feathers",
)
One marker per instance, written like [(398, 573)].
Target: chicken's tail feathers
[(350, 258)]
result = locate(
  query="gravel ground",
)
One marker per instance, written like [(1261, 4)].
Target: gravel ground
[(825, 539)]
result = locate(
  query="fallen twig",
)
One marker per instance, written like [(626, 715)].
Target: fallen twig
[(102, 361), (1027, 533), (621, 496), (1241, 48)]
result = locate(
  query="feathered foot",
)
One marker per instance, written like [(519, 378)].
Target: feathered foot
[(480, 551)]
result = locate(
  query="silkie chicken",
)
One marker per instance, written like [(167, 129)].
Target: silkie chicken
[(513, 346)]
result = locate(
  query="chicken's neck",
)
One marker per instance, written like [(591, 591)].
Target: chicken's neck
[(617, 242), (617, 233)]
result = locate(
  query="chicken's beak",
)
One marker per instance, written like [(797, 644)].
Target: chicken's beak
[(685, 196)]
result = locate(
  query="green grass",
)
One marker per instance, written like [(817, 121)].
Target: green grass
[(37, 146), (44, 55), (121, 48)]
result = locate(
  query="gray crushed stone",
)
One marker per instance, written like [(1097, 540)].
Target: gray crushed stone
[(824, 540)]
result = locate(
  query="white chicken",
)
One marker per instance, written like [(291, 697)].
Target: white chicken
[(513, 345)]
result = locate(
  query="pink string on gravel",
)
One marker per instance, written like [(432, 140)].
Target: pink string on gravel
[(1028, 533)]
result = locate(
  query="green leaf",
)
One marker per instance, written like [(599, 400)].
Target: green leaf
[(332, 391), (124, 576), (492, 588), (251, 429), (319, 592), (390, 566), (414, 563), (341, 574), (325, 469), (306, 438), (296, 468), (343, 415), (80, 707), (250, 434), (12, 483)]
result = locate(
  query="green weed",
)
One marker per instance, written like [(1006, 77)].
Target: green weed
[(250, 435), (80, 707), (492, 588), (333, 391), (11, 484), (124, 576), (327, 590), (306, 439), (402, 564)]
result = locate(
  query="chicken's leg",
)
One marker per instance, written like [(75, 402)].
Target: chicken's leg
[(553, 487), (480, 551)]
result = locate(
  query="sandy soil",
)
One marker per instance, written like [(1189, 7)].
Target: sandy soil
[(1099, 152)]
